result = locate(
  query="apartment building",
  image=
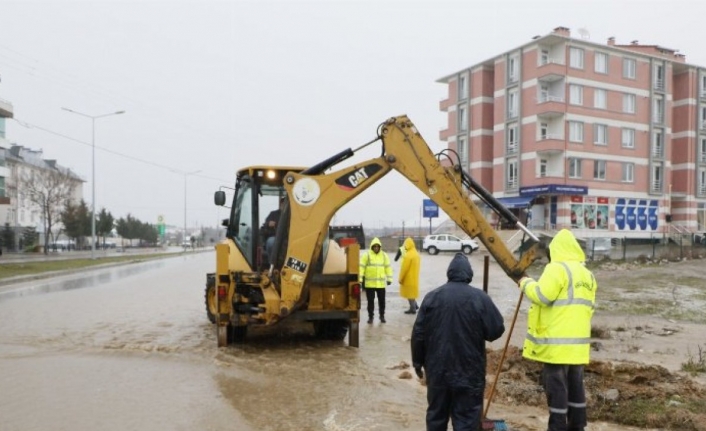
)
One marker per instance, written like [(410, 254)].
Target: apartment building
[(567, 132), (16, 161)]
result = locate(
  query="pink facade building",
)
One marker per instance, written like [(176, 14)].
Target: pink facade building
[(607, 138)]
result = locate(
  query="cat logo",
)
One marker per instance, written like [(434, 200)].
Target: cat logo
[(359, 176)]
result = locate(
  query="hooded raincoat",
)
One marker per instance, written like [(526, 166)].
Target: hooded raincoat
[(559, 320), (375, 268), (409, 271), (452, 326)]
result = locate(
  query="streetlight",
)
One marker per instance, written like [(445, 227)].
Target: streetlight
[(186, 174), (93, 171)]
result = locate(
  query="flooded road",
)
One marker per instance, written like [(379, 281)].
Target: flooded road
[(130, 348)]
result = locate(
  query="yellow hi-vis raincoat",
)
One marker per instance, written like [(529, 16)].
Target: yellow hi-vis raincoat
[(559, 320), (409, 271), (375, 268)]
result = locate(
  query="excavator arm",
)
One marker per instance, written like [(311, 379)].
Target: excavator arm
[(315, 197)]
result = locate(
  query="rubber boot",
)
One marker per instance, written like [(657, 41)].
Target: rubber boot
[(382, 319), (370, 319)]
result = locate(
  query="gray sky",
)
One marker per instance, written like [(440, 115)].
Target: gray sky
[(218, 85)]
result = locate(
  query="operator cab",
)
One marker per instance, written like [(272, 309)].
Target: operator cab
[(258, 193)]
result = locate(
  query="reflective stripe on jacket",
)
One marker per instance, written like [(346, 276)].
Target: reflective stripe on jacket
[(563, 299)]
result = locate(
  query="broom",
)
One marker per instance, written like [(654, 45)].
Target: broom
[(499, 424)]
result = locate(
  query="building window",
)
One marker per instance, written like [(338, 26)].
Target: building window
[(657, 178), (513, 68), (462, 149), (702, 116), (542, 168), (600, 134), (658, 143), (512, 138), (512, 178), (2, 187), (575, 131), (462, 87), (659, 77), (575, 94), (543, 131), (702, 150), (512, 103), (702, 182), (628, 172), (658, 110), (462, 119), (703, 85), (576, 58), (601, 65), (574, 167), (629, 68), (544, 56), (600, 99), (599, 169), (629, 103), (628, 138)]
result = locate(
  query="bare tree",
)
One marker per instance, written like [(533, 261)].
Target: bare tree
[(49, 189)]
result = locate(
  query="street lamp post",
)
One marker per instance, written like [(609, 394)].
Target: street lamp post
[(186, 174), (93, 171)]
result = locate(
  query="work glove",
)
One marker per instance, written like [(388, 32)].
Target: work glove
[(418, 371), (389, 283)]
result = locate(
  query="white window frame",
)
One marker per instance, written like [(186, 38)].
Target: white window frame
[(601, 62), (628, 172), (576, 131), (599, 169), (542, 168), (576, 57), (629, 101), (701, 191), (702, 149), (703, 85), (629, 68), (462, 87), (657, 149), (513, 142), (575, 94), (462, 149), (658, 110), (628, 138), (462, 118), (513, 68), (574, 167), (543, 131), (600, 134), (512, 179), (543, 56), (657, 183), (600, 98), (512, 103)]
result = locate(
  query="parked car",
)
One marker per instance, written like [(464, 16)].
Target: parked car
[(433, 244)]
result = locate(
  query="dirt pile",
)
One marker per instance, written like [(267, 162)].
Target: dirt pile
[(631, 394)]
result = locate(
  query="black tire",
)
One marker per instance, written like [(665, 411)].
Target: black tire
[(210, 299), (432, 250), (467, 249), (331, 329)]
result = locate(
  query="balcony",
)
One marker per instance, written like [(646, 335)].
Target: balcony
[(445, 104), (702, 157), (659, 84), (551, 71), (6, 109), (658, 151), (701, 190), (656, 186), (658, 118), (511, 184), (551, 106), (512, 147)]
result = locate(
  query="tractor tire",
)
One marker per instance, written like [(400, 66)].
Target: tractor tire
[(331, 329), (210, 299)]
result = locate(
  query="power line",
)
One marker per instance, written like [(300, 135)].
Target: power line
[(29, 125)]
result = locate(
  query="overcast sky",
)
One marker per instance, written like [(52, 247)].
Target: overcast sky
[(213, 86)]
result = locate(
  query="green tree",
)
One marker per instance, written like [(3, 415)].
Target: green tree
[(7, 237), (104, 224), (77, 221)]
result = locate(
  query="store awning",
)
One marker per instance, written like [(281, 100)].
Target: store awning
[(516, 202)]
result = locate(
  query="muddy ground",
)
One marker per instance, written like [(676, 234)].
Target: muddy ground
[(650, 325)]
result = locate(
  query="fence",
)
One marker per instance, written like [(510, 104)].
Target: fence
[(657, 247)]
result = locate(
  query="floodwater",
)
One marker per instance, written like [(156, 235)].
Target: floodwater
[(130, 348)]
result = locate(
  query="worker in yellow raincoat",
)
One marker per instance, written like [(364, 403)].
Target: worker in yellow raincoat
[(409, 275)]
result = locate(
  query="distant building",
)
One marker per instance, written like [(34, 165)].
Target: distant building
[(15, 160), (606, 138)]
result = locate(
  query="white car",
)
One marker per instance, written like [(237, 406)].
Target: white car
[(433, 244)]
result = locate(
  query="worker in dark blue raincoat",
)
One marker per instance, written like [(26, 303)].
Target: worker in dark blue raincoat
[(448, 344)]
